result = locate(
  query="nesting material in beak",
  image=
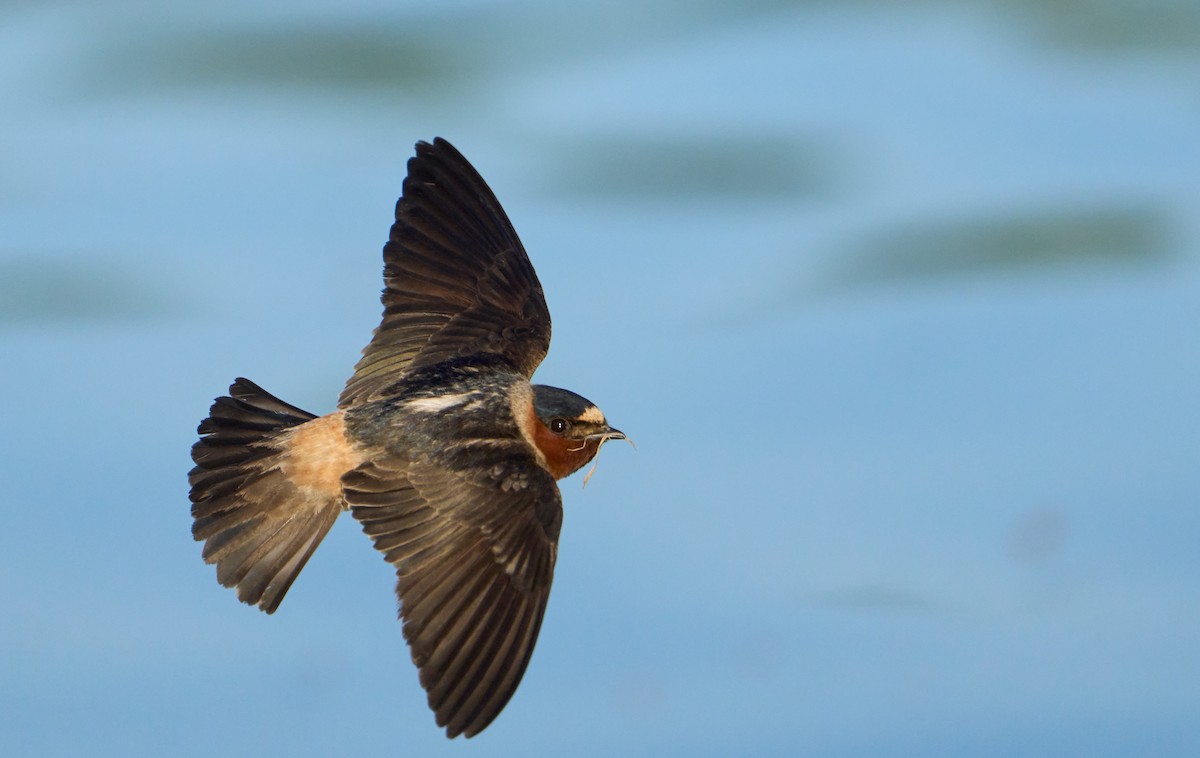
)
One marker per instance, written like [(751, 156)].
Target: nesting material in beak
[(605, 436)]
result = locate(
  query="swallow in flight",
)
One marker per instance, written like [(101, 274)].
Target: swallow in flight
[(440, 448)]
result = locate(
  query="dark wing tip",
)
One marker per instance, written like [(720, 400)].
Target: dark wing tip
[(439, 147), (460, 190)]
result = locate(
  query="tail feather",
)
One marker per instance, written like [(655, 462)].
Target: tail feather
[(259, 526)]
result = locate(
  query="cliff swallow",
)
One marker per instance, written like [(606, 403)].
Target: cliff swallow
[(440, 448)]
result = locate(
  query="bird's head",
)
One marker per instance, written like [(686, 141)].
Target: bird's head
[(569, 429)]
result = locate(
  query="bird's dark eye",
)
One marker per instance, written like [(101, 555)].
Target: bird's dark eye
[(558, 425)]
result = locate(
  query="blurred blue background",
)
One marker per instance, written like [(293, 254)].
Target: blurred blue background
[(899, 301)]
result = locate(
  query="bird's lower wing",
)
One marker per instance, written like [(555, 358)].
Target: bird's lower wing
[(474, 563)]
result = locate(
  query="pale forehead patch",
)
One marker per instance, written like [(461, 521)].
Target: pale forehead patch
[(592, 416)]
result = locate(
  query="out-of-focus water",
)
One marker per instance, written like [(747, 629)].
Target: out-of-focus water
[(900, 304)]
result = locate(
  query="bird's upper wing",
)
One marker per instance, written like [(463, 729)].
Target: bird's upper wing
[(474, 547), (456, 280)]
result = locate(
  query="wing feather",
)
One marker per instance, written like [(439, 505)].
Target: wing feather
[(457, 280), (474, 563)]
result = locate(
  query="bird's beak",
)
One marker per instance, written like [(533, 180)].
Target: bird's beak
[(608, 433)]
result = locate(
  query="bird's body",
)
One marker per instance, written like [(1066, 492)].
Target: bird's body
[(441, 448)]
